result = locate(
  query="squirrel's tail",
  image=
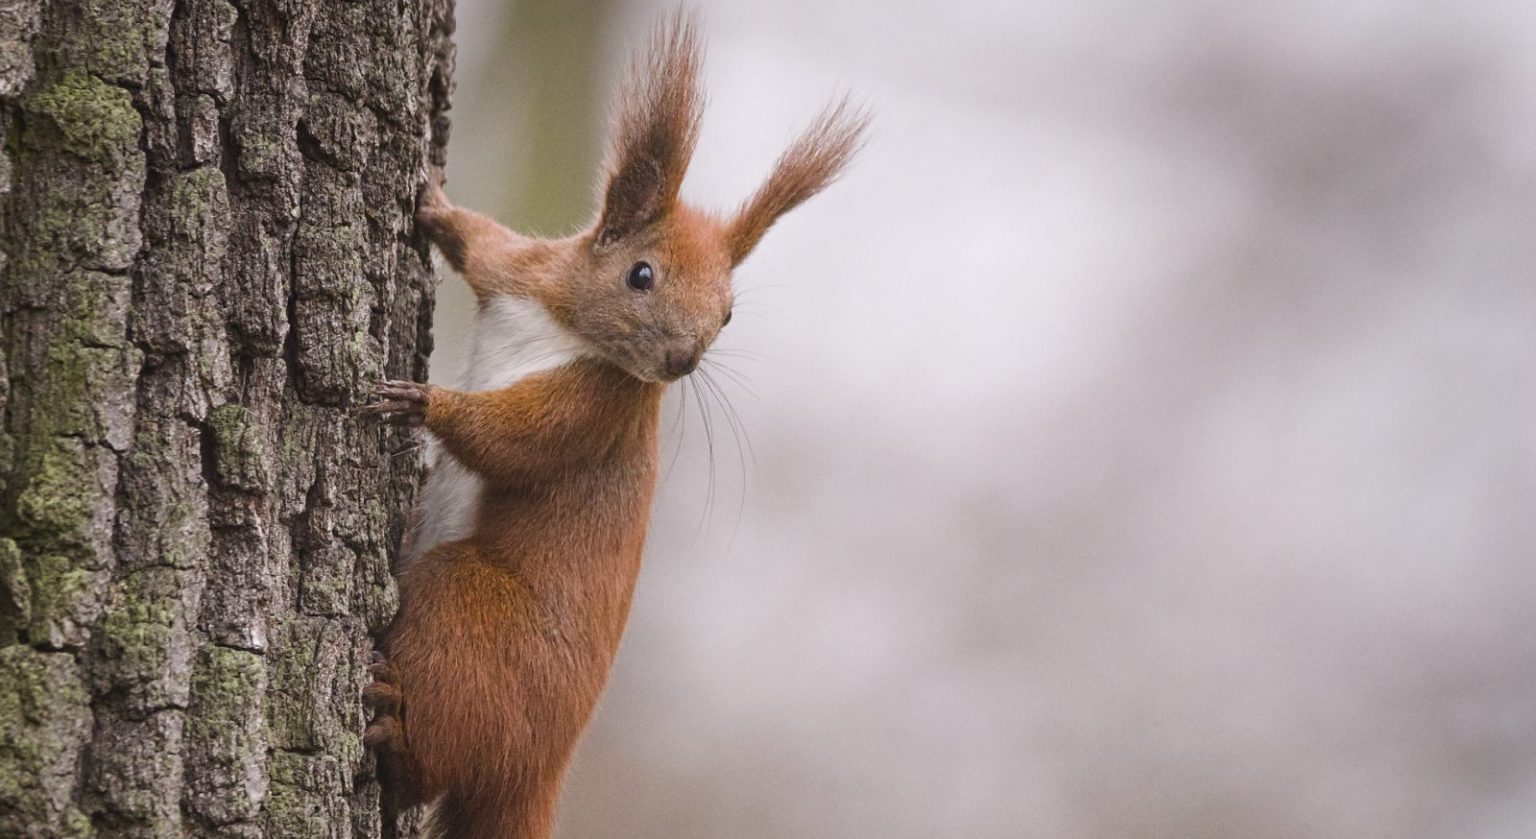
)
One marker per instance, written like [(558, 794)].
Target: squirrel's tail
[(491, 814)]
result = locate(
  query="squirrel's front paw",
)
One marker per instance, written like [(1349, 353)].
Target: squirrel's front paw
[(383, 697), (401, 403), (434, 203)]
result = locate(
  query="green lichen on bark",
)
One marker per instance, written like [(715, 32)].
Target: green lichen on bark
[(114, 39), (94, 306), (84, 116), (86, 392), (198, 213), (300, 804), (48, 720), (56, 504), (226, 728), (240, 459), (15, 593), (56, 520), (142, 648), (63, 596), (194, 291), (317, 672)]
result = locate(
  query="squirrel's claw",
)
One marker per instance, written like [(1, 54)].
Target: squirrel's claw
[(395, 413), (401, 403), (381, 672), (434, 202), (384, 698), (383, 733), (403, 391)]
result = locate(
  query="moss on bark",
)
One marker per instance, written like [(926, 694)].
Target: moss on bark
[(206, 255)]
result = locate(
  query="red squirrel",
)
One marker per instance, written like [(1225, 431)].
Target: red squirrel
[(522, 566)]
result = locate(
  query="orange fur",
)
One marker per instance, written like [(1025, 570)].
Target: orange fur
[(807, 167), (504, 639)]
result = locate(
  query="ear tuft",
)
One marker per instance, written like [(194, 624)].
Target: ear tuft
[(655, 128), (811, 162)]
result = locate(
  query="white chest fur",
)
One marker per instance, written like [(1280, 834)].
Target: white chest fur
[(514, 338)]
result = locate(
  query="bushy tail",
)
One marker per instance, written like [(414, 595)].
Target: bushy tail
[(490, 814)]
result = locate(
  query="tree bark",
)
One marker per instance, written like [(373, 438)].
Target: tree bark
[(208, 259)]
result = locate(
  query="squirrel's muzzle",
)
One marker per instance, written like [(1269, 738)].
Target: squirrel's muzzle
[(682, 358)]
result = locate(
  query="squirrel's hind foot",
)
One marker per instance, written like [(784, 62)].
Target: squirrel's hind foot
[(399, 773), (384, 732)]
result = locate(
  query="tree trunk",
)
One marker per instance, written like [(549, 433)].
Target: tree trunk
[(208, 259)]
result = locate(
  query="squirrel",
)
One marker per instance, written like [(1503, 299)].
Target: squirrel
[(522, 567)]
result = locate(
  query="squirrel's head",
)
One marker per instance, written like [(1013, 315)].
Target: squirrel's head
[(651, 287)]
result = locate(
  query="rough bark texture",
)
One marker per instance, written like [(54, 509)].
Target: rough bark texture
[(208, 258)]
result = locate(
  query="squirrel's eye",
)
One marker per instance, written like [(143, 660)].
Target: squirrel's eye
[(727, 321), (641, 277)]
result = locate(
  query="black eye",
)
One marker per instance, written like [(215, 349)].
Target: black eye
[(641, 277), (727, 321)]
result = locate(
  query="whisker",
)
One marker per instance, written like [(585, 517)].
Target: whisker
[(759, 309), (734, 423), (709, 437), (680, 419), (420, 443), (759, 287), (747, 355), (733, 374), (734, 417)]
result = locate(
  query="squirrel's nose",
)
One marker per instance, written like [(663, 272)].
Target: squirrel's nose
[(682, 358)]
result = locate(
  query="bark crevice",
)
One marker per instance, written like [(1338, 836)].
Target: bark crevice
[(208, 257)]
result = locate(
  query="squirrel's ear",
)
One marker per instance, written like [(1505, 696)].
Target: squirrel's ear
[(655, 127), (811, 162)]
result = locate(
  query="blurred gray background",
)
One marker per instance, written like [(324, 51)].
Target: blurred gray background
[(1144, 431)]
